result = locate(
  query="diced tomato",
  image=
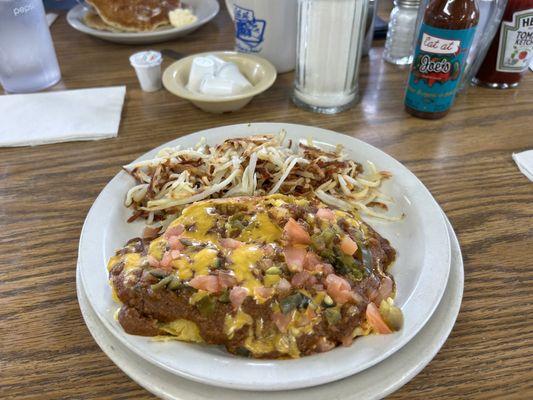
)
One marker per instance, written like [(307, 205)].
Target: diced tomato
[(154, 262), (175, 254), (374, 318), (268, 249), (318, 287), (327, 269), (230, 243), (338, 288), (300, 278), (176, 230), (294, 257), (295, 233), (348, 246), (225, 280), (312, 262), (175, 243), (325, 213), (166, 260), (208, 283), (263, 292), (283, 285), (385, 289), (282, 321), (237, 296)]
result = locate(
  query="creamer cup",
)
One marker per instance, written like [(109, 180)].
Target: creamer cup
[(147, 65)]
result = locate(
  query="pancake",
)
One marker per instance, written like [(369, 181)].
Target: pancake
[(132, 15), (93, 20), (266, 277)]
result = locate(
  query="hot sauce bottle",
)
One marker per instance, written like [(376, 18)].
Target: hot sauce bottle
[(442, 47), (511, 50)]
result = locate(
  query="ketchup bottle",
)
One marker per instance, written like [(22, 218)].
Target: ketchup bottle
[(443, 44), (511, 50)]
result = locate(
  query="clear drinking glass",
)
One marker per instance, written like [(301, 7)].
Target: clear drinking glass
[(490, 15), (28, 61), (329, 49)]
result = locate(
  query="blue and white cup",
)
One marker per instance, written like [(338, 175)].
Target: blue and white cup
[(267, 28)]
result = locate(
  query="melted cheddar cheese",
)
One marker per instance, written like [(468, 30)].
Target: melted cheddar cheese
[(245, 242)]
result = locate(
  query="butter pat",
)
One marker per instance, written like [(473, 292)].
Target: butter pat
[(217, 86), (200, 68), (181, 17), (213, 76)]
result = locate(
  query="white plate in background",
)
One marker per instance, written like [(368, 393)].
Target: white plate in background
[(421, 272), (205, 10)]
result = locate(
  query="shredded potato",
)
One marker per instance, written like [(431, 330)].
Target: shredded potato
[(252, 166)]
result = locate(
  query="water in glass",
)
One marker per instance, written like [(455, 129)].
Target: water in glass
[(28, 60)]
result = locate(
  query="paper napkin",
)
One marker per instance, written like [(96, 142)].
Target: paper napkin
[(524, 160), (50, 18), (62, 116)]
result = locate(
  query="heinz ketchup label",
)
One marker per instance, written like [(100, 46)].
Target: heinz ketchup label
[(516, 43), (437, 67)]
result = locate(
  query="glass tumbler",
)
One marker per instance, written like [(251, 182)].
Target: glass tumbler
[(329, 48), (28, 61)]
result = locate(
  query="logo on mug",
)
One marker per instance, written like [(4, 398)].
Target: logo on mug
[(249, 30), (23, 9)]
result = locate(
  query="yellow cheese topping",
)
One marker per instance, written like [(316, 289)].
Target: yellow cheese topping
[(130, 260), (261, 229), (199, 265), (234, 323), (198, 215), (157, 247), (184, 330), (199, 220), (283, 343), (243, 262)]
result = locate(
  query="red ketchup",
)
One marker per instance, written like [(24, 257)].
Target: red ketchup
[(511, 50)]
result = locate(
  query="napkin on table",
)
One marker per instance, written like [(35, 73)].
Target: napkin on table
[(524, 161), (61, 116), (50, 18)]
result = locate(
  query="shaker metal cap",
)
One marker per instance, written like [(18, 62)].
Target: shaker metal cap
[(407, 3)]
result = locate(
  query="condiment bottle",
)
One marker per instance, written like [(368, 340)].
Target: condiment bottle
[(511, 50), (444, 40), (401, 32)]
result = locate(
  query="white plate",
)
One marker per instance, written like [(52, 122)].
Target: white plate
[(374, 383), (421, 272), (205, 10)]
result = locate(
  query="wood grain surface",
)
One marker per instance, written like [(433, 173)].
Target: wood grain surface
[(46, 352)]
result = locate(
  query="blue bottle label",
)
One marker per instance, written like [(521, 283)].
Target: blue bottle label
[(437, 67)]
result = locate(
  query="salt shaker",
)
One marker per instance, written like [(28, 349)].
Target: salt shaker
[(329, 48), (401, 32)]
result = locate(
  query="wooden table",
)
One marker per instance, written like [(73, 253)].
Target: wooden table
[(46, 352)]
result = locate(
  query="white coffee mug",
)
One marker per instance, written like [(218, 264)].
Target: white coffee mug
[(267, 28)]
